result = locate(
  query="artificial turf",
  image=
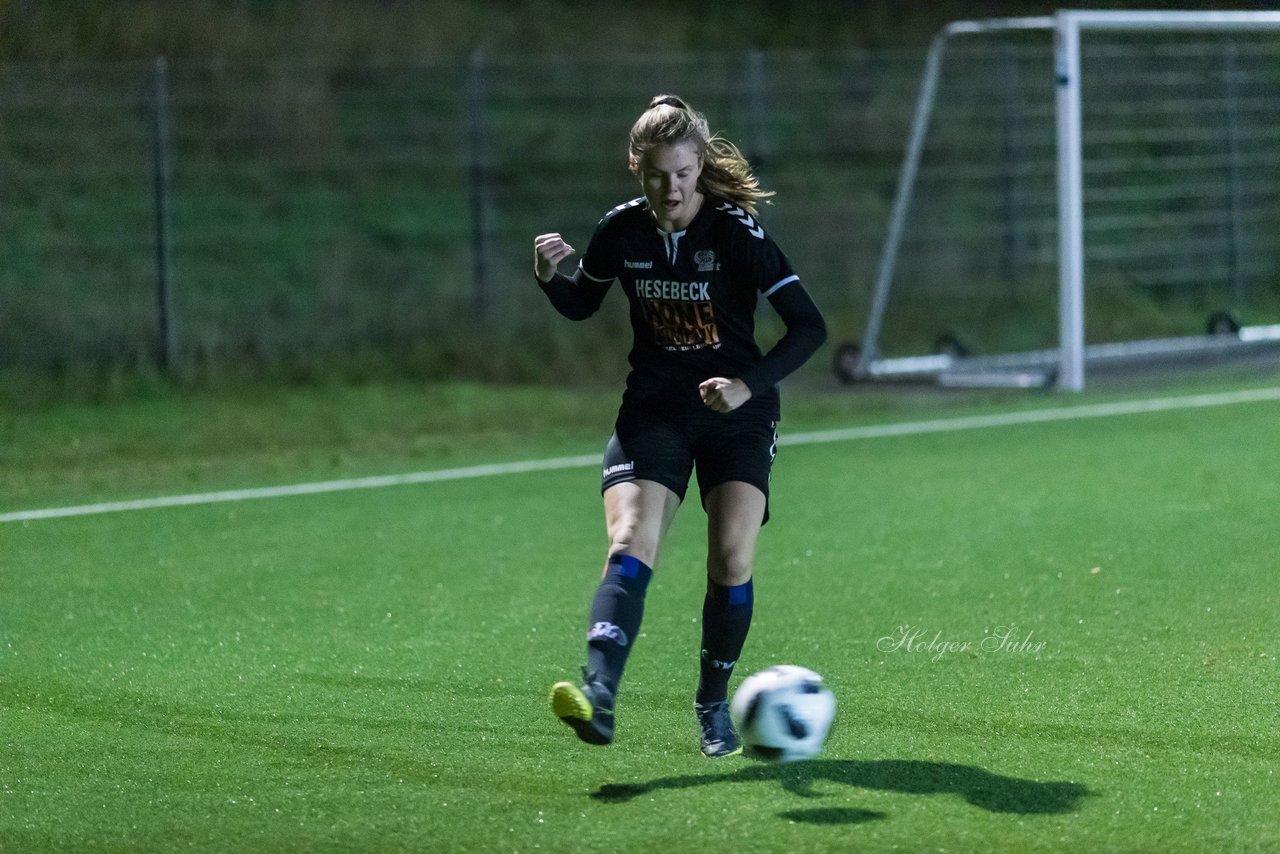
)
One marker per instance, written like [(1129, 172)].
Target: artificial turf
[(368, 670)]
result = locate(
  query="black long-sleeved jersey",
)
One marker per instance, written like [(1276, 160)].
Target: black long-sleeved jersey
[(692, 297)]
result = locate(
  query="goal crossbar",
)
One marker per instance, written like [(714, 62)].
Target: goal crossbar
[(1066, 364)]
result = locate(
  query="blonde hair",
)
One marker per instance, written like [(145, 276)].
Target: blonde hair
[(725, 172)]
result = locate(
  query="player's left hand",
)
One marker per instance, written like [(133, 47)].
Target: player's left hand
[(724, 395)]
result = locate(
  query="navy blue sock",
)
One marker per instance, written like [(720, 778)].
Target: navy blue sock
[(616, 612), (726, 619)]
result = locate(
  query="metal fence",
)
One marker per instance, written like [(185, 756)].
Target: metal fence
[(220, 211), (208, 212)]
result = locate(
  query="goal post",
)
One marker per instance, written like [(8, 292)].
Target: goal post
[(1064, 363)]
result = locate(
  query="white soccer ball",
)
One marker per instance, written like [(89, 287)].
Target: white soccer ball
[(783, 713)]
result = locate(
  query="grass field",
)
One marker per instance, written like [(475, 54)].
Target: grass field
[(368, 670)]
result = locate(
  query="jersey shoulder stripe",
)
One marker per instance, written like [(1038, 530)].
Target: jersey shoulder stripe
[(591, 277), (778, 285), (634, 203), (748, 221)]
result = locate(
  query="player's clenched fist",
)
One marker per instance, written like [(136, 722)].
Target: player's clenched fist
[(724, 395), (548, 251)]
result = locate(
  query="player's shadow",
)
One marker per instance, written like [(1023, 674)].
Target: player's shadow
[(991, 792)]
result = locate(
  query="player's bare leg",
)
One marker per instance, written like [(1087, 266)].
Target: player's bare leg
[(735, 512), (638, 515)]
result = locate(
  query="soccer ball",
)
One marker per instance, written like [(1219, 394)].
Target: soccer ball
[(783, 713)]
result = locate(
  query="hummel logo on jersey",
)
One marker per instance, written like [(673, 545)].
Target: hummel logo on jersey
[(638, 265), (745, 218), (619, 469), (607, 631)]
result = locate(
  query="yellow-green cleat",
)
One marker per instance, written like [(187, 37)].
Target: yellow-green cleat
[(586, 709)]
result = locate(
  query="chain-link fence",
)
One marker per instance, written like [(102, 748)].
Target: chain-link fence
[(221, 211), (211, 213)]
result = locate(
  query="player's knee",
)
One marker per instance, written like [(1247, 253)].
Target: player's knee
[(629, 539), (729, 566)]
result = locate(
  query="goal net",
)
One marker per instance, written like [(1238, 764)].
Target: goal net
[(1086, 188)]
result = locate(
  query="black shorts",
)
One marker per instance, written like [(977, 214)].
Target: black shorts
[(664, 449)]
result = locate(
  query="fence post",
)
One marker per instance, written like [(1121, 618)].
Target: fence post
[(481, 186), (757, 113), (162, 181), (1235, 213), (1012, 146)]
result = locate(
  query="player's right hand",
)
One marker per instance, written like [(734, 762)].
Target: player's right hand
[(548, 251)]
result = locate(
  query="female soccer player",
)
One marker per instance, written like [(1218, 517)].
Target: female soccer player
[(693, 260)]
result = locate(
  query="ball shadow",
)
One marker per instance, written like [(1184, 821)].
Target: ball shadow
[(832, 815)]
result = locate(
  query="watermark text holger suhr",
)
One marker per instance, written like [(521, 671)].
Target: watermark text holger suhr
[(1002, 640)]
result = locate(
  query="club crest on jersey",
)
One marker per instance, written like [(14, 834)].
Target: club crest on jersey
[(706, 260)]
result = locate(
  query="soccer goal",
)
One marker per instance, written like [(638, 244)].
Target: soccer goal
[(1088, 188)]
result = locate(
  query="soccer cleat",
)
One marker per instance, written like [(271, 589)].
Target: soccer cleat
[(716, 730), (586, 709)]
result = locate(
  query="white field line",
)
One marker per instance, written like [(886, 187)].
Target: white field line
[(877, 431), (1036, 416)]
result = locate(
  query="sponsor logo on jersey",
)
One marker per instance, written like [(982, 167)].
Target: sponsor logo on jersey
[(706, 261), (638, 265), (681, 325), (607, 631), (679, 291), (679, 314)]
